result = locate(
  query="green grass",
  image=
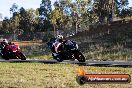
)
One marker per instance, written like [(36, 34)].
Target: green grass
[(94, 55), (100, 52), (38, 75), (108, 56), (42, 57)]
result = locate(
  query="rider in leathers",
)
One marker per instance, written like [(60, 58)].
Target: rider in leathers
[(61, 41), (3, 45)]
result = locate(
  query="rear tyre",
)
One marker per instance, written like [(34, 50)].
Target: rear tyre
[(4, 56), (58, 58)]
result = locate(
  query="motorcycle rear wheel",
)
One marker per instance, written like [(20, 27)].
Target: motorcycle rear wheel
[(4, 57), (58, 58)]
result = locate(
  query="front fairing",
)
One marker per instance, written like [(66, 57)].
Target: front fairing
[(72, 47), (55, 54)]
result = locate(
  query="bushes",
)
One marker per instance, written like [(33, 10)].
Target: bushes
[(47, 37), (26, 36)]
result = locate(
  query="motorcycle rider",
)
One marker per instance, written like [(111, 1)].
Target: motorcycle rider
[(4, 43), (61, 41), (57, 43), (63, 49)]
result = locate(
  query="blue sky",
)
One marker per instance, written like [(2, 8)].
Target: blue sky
[(5, 5)]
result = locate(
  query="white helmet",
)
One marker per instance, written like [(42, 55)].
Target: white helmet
[(5, 40), (60, 37)]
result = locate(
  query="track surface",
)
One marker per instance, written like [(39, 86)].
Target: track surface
[(87, 63)]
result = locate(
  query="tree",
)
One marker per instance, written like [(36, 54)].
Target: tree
[(0, 16), (103, 9), (45, 9), (14, 9), (6, 24), (122, 9), (130, 12), (56, 19), (71, 13), (27, 19), (44, 13), (79, 10), (65, 8)]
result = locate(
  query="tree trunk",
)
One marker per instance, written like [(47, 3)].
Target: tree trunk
[(76, 24), (112, 10), (54, 30), (76, 27)]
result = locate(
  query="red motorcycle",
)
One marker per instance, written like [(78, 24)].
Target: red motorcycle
[(12, 51)]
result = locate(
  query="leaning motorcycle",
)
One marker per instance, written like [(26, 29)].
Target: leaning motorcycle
[(67, 52), (12, 51)]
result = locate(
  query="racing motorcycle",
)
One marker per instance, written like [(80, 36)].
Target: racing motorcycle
[(12, 51), (66, 52)]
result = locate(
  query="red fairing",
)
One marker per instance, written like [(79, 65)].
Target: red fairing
[(13, 47)]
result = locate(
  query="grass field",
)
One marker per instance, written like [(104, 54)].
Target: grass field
[(28, 43), (43, 57), (36, 75)]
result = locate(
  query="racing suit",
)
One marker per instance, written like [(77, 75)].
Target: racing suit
[(60, 46), (3, 49)]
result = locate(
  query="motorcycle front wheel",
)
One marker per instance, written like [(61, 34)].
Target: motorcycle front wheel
[(80, 57), (21, 56)]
